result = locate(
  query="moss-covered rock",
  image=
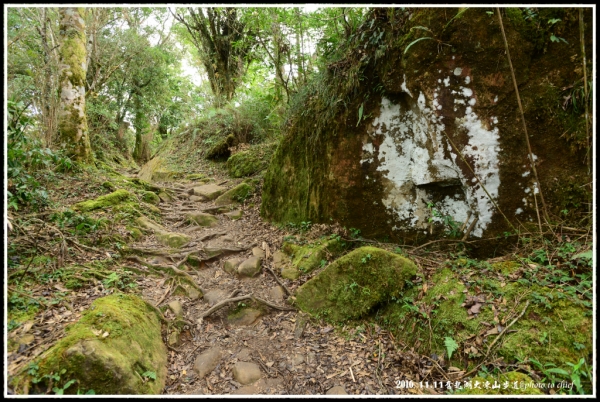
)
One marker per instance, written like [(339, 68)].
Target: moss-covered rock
[(202, 219), (173, 239), (108, 350), (237, 194), (220, 149), (103, 201), (109, 186), (353, 284), (209, 191), (244, 163), (511, 383), (305, 259), (150, 197)]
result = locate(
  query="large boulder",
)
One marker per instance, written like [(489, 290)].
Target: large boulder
[(115, 348), (425, 137), (235, 195), (355, 283)]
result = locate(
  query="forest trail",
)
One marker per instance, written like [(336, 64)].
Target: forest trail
[(267, 347)]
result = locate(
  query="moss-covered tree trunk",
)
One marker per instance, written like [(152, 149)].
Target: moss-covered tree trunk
[(72, 122), (143, 134)]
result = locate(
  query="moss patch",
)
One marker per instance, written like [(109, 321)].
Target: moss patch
[(237, 194), (107, 350), (103, 201), (307, 258), (150, 197), (355, 283)]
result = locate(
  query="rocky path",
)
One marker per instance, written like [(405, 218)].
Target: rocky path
[(235, 331)]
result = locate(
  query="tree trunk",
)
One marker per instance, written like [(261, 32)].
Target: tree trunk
[(72, 122), (143, 134)]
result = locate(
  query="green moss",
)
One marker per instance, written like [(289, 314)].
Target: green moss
[(109, 185), (221, 148), (308, 258), (103, 201), (175, 240), (355, 283), (202, 219), (506, 267), (511, 383), (150, 197), (245, 163), (237, 194), (110, 364)]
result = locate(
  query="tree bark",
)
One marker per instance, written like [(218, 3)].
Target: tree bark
[(72, 122)]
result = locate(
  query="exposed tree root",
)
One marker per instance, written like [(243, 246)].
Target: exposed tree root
[(223, 303)]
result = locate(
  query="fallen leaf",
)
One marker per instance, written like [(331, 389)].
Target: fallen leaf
[(493, 331), (475, 308), (424, 287)]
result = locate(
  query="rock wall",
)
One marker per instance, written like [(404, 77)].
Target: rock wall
[(430, 137)]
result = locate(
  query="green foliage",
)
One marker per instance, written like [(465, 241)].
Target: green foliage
[(149, 375), (451, 346), (27, 159)]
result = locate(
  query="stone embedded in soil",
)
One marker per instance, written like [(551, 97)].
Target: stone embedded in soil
[(234, 215), (193, 294), (279, 258), (246, 373), (245, 316), (173, 339), (277, 293), (258, 252), (209, 191), (172, 239), (214, 296), (377, 275), (176, 308), (337, 390), (244, 355), (297, 360), (165, 197), (234, 195), (216, 250), (251, 267), (231, 266), (202, 219), (207, 361), (107, 363), (195, 198), (290, 272)]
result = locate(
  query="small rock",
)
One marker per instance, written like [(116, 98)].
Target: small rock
[(164, 197), (246, 316), (276, 293), (258, 252), (231, 266), (337, 390), (251, 267), (246, 373), (297, 360), (202, 219), (193, 293), (195, 198), (209, 191), (173, 339), (176, 308), (214, 296), (290, 272), (207, 361), (234, 215), (244, 355), (279, 258)]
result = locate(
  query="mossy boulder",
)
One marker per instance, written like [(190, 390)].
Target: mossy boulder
[(220, 149), (305, 259), (109, 186), (173, 239), (511, 383), (237, 194), (202, 219), (103, 201), (355, 283), (150, 197), (244, 163), (108, 350)]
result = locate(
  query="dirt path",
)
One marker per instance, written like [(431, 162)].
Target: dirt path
[(262, 350)]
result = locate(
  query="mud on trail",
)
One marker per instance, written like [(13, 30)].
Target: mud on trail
[(259, 344)]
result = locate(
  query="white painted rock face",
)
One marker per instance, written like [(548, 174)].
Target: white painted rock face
[(417, 161)]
